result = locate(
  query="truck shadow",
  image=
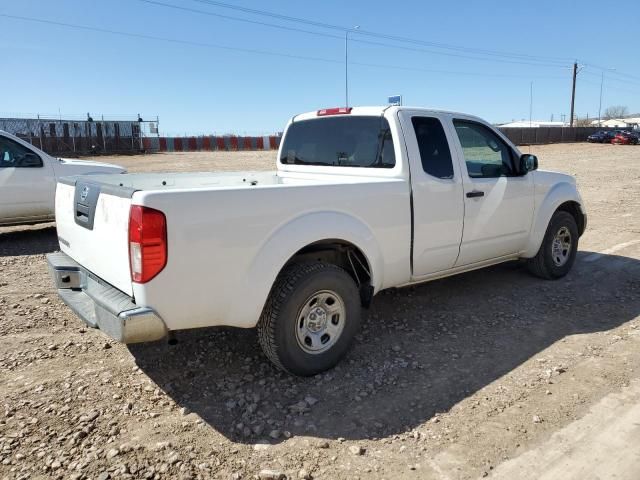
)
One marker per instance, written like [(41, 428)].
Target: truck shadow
[(28, 240), (421, 351)]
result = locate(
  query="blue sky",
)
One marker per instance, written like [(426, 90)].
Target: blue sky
[(199, 89)]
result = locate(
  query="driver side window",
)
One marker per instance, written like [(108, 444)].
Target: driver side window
[(12, 154), (485, 154)]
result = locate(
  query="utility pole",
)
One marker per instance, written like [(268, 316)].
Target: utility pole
[(573, 92), (600, 104)]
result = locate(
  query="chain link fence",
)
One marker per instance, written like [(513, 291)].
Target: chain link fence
[(83, 137)]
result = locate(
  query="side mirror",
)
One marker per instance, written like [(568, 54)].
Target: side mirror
[(528, 163)]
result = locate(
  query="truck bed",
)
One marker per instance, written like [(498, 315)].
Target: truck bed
[(226, 231)]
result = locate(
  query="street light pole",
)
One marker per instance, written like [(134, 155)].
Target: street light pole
[(530, 105), (600, 105), (346, 64)]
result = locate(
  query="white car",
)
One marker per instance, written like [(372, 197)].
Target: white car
[(363, 199), (28, 178)]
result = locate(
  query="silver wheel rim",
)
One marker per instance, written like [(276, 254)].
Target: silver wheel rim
[(561, 247), (320, 322)]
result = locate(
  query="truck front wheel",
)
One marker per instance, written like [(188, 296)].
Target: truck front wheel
[(310, 318), (558, 250)]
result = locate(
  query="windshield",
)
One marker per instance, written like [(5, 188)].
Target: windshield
[(345, 141)]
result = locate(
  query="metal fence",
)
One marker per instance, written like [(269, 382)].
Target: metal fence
[(60, 136), (540, 135), (207, 143), (88, 137)]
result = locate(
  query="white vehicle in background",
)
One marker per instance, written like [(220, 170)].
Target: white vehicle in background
[(28, 178), (363, 199)]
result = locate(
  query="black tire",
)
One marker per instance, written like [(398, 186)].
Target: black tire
[(543, 264), (279, 326)]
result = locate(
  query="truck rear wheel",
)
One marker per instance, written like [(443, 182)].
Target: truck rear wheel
[(310, 318), (558, 250)]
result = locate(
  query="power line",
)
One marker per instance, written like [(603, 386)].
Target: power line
[(238, 19), (451, 72), (498, 56), (558, 60), (542, 61), (341, 37), (271, 53), (165, 39), (377, 34), (609, 73), (459, 55), (611, 87), (254, 51)]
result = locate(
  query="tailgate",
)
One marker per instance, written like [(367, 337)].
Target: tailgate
[(93, 228)]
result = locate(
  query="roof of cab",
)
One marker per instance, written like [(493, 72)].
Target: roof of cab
[(375, 111)]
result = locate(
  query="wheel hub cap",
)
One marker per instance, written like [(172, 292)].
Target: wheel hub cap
[(317, 320), (320, 322), (561, 247)]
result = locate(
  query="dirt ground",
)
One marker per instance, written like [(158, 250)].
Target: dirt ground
[(493, 373)]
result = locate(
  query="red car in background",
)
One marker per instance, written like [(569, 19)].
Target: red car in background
[(624, 138)]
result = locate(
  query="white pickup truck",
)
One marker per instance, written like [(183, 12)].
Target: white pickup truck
[(363, 199), (28, 180)]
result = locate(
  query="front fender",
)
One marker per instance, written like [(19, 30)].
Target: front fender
[(557, 195), (288, 239)]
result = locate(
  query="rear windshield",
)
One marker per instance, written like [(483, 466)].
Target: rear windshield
[(340, 141)]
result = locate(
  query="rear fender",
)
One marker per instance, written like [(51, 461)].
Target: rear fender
[(286, 241)]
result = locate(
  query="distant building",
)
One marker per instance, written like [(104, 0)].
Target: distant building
[(629, 123), (533, 124)]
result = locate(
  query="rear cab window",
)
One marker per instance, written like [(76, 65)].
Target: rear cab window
[(433, 146), (348, 141)]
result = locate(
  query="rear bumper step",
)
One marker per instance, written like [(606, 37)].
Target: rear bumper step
[(102, 306)]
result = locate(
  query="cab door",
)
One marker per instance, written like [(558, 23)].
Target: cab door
[(27, 184), (437, 196), (498, 201)]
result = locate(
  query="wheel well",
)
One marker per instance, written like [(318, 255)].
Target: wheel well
[(343, 254), (573, 208)]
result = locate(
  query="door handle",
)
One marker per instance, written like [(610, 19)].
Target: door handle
[(475, 193)]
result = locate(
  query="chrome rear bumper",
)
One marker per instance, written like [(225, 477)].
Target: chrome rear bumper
[(102, 306)]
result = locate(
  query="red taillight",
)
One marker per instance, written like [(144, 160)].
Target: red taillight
[(334, 111), (147, 243)]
